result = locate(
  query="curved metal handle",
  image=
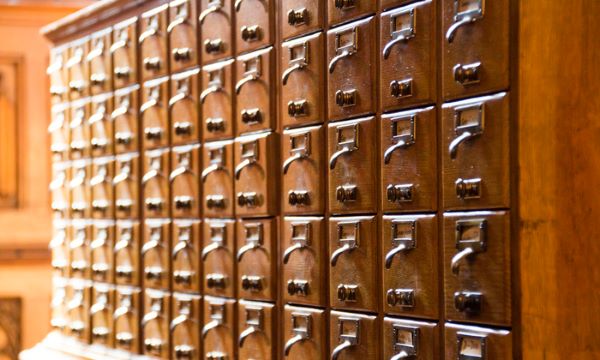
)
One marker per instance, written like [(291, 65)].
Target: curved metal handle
[(341, 347), (180, 319), (238, 4), (453, 147), (388, 47), (291, 342), (401, 355), (98, 50), (389, 257), (210, 326), (177, 98), (99, 178), (452, 29), (289, 161), (249, 331), (179, 247), (244, 81), (209, 90), (148, 105), (151, 316), (387, 155), (288, 72), (207, 12), (456, 259), (118, 45), (148, 33), (175, 23), (336, 254), (288, 252), (244, 249), (335, 60), (336, 155), (149, 175), (241, 166), (209, 170), (210, 248), (178, 171)]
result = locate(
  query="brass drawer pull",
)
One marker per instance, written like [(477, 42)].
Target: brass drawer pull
[(469, 302), (406, 342), (404, 238), (344, 144), (471, 238), (402, 297), (297, 287), (215, 46), (348, 242), (215, 125), (346, 98), (346, 193), (468, 123), (182, 54), (251, 116), (213, 6), (301, 329), (251, 33), (252, 283), (298, 198), (301, 235), (465, 12), (297, 17), (152, 63), (254, 321), (402, 29), (349, 335), (468, 188), (345, 48), (298, 108), (345, 4), (402, 88), (467, 74)]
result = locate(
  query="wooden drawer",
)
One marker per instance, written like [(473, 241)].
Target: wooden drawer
[(124, 120), (304, 333), (59, 247), (79, 249), (78, 308), (101, 251), (79, 129), (60, 190), (216, 100), (303, 190), (155, 324), (351, 55), (79, 189), (475, 153), (255, 22), (185, 326), (101, 185), (156, 254), (475, 49), (126, 319), (185, 257), (59, 77), (183, 108), (127, 253), (304, 266), (218, 251), (185, 181), (215, 29), (101, 313), (153, 42), (183, 42), (303, 81), (218, 332), (409, 261), (124, 53), (155, 183), (409, 161), (101, 126), (154, 113), (472, 342), (257, 330), (413, 339), (217, 179), (255, 89), (388, 4), (126, 188), (300, 17), (353, 336), (477, 286), (352, 173), (59, 315), (408, 56), (59, 131), (257, 259), (340, 11), (77, 70), (353, 278), (99, 62)]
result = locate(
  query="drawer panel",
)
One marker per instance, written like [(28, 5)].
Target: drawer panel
[(218, 331), (59, 130), (340, 11), (101, 250), (124, 120), (185, 257), (155, 183), (79, 293), (79, 189), (59, 247), (126, 253), (217, 100), (414, 339), (472, 342), (59, 77), (124, 53), (126, 319), (126, 188), (185, 326), (353, 336), (183, 108), (77, 69), (153, 42), (255, 22), (218, 251), (101, 313), (101, 185), (185, 181), (216, 21), (300, 17), (182, 34), (304, 333), (99, 62), (156, 254), (60, 190), (217, 179), (101, 126), (59, 316), (155, 324), (154, 113), (79, 249), (79, 129), (257, 330)]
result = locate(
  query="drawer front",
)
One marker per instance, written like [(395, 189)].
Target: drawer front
[(124, 53), (126, 253), (101, 313), (217, 179), (153, 42), (78, 310), (59, 247), (57, 72), (353, 263), (414, 339), (102, 244), (79, 249), (218, 331), (185, 181), (101, 184), (101, 126), (59, 190), (471, 342), (353, 336), (475, 153), (409, 265), (79, 189), (126, 319), (257, 330), (408, 56), (77, 70), (59, 131), (182, 34), (257, 259), (475, 47), (388, 4), (155, 324), (477, 267), (340, 11), (303, 182), (183, 108), (255, 22), (185, 256), (216, 100), (156, 254), (300, 17), (255, 172), (351, 56), (304, 333), (185, 326), (303, 81), (99, 62), (352, 173), (254, 88), (79, 130), (409, 161), (218, 251), (155, 183), (124, 120), (154, 114), (126, 188), (304, 266), (215, 29)]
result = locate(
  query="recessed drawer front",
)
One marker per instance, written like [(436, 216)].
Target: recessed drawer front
[(353, 336), (255, 87), (218, 331), (304, 333), (353, 263), (126, 253), (101, 126), (255, 22), (101, 184), (472, 342), (77, 70), (477, 267), (409, 264), (57, 72), (257, 330), (124, 53), (153, 42), (79, 249), (475, 153), (340, 11), (303, 81), (300, 17), (155, 324), (185, 181), (185, 326), (407, 56), (59, 131), (79, 293), (124, 120), (304, 264), (182, 34), (127, 318), (409, 161), (156, 254), (59, 246), (126, 188), (255, 172), (79, 130), (79, 189), (257, 259), (351, 58), (303, 167), (185, 257), (59, 317), (154, 114), (99, 62), (218, 252), (60, 190), (102, 244), (475, 47), (217, 179), (183, 108), (101, 313), (352, 170), (216, 100), (410, 339), (215, 21), (155, 183)]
